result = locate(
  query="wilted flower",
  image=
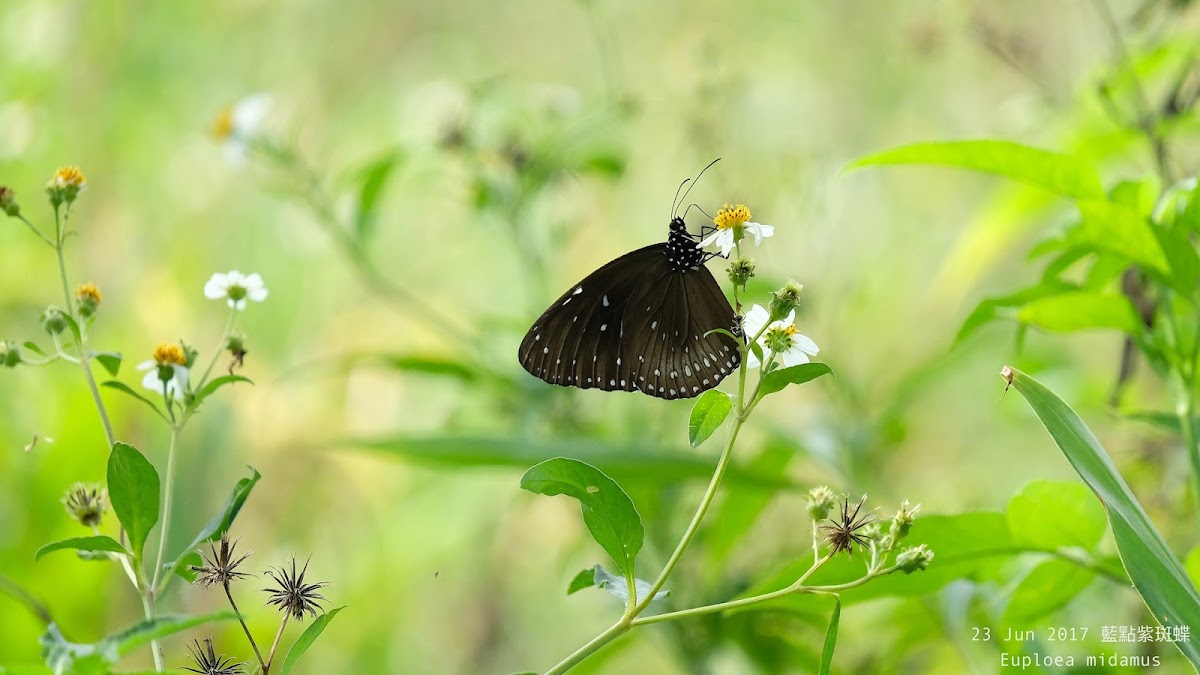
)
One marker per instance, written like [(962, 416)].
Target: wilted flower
[(8, 201), (238, 125), (54, 320), (236, 288), (65, 185), (844, 532), (220, 567), (236, 344), (291, 595), (167, 371), (916, 558), (86, 503), (820, 501), (208, 662), (89, 298), (780, 338), (732, 225)]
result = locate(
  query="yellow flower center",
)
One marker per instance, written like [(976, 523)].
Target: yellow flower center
[(223, 126), (791, 330), (166, 355), (731, 216), (69, 176), (88, 291)]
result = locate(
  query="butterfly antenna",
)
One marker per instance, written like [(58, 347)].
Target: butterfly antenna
[(685, 194), (698, 208), (675, 202)]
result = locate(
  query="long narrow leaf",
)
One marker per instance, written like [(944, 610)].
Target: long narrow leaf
[(831, 637)]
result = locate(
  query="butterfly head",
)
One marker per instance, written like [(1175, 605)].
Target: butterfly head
[(678, 226)]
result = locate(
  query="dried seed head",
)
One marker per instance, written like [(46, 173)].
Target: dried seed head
[(208, 662), (220, 564), (844, 532), (291, 595), (86, 503)]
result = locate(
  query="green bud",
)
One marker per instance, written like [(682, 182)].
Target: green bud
[(10, 354), (189, 354), (8, 201), (821, 501), (741, 271), (784, 300), (903, 520), (236, 343), (915, 558), (54, 320)]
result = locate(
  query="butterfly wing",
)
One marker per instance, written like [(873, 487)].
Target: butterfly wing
[(635, 325)]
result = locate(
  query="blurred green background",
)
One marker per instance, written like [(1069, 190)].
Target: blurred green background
[(450, 568)]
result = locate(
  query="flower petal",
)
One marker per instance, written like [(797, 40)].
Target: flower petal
[(805, 343), (754, 320), (794, 357), (216, 287), (146, 365), (151, 381)]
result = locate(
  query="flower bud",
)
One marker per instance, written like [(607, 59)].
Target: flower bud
[(785, 300), (189, 354), (10, 354), (86, 504), (741, 271), (54, 321), (915, 558), (88, 298), (65, 185), (821, 501), (903, 520), (8, 201)]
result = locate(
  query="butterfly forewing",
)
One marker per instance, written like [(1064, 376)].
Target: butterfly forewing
[(636, 324)]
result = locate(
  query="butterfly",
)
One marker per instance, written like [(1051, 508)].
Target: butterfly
[(643, 322)]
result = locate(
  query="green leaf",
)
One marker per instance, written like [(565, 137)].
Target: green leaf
[(779, 379), (182, 566), (306, 639), (722, 331), (831, 637), (63, 656), (1153, 568), (123, 388), (988, 310), (585, 579), (91, 544), (625, 461), (708, 413), (1112, 227), (1051, 514), (110, 360), (607, 511), (1082, 310), (220, 523), (1061, 174), (213, 385), (374, 178), (619, 588), (145, 632), (133, 492), (32, 346), (1049, 586)]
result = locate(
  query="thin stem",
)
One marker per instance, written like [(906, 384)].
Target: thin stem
[(220, 347), (168, 499), (26, 598), (147, 596), (35, 230), (245, 628), (597, 642), (275, 645)]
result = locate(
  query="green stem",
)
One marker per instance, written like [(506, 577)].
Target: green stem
[(275, 645), (35, 230), (168, 498), (597, 642), (26, 598), (245, 628), (147, 596), (217, 352)]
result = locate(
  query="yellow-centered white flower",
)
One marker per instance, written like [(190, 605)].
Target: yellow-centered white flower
[(167, 372), (236, 288), (239, 124), (779, 337), (733, 224)]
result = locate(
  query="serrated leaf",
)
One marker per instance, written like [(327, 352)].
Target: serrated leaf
[(608, 512), (98, 543), (110, 360), (1061, 174), (585, 579), (306, 640), (124, 389), (779, 379), (619, 588), (1153, 568), (133, 491), (709, 411)]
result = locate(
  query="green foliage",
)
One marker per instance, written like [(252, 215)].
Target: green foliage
[(777, 380), (64, 656), (1154, 570), (95, 544), (219, 524), (213, 385), (709, 411), (125, 389), (133, 489), (306, 640), (110, 360), (607, 511), (831, 637)]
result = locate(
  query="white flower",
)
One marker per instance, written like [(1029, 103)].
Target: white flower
[(732, 225), (168, 361), (236, 288), (779, 337), (239, 124)]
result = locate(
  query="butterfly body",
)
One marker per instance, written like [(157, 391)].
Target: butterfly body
[(640, 323)]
